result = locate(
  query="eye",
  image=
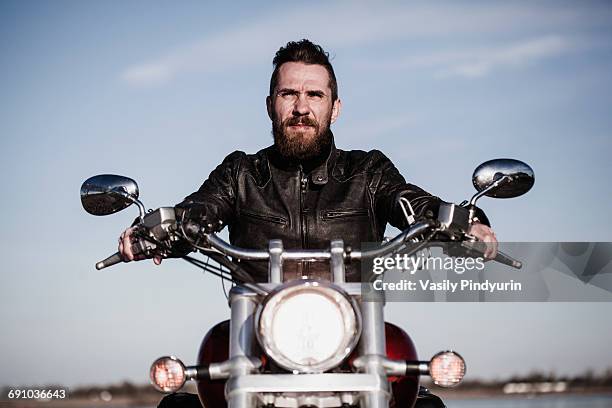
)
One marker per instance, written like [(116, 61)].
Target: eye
[(315, 95), (287, 94)]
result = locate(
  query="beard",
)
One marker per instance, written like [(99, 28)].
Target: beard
[(301, 145)]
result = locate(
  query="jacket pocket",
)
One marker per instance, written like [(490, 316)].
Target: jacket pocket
[(264, 217), (343, 213)]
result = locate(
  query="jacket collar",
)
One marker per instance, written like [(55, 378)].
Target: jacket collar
[(320, 174), (318, 169)]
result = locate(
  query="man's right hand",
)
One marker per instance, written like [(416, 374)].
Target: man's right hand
[(125, 248)]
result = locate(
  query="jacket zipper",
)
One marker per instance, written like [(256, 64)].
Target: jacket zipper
[(303, 181), (263, 217), (332, 214)]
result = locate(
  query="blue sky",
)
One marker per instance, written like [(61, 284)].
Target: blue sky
[(162, 92)]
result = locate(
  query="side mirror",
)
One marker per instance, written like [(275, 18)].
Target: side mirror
[(107, 194), (503, 178)]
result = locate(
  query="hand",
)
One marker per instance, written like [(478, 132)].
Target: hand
[(125, 248), (485, 234)]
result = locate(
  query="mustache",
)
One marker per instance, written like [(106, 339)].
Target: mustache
[(301, 120)]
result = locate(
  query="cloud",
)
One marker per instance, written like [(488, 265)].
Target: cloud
[(472, 63), (352, 25), (481, 63)]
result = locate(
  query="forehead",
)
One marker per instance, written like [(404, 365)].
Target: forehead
[(297, 75)]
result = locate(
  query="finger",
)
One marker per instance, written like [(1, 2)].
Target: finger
[(494, 245), (127, 246), (491, 246), (157, 259)]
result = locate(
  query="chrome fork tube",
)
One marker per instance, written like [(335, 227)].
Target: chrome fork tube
[(275, 267), (337, 261), (373, 351), (242, 335)]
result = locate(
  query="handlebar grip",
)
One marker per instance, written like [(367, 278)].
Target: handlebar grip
[(479, 246), (110, 261), (508, 260)]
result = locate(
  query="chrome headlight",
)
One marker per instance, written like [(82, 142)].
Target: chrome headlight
[(308, 326)]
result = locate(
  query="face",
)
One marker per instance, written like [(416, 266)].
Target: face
[(301, 109)]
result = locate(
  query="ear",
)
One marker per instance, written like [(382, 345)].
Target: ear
[(336, 108), (269, 107)]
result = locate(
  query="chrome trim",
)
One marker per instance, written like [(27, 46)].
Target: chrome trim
[(327, 382), (106, 194), (396, 243), (241, 347), (191, 373), (519, 175), (337, 261), (319, 400), (319, 255), (227, 249), (275, 266), (372, 350)]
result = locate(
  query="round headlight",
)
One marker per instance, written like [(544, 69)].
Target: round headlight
[(168, 374), (447, 369), (308, 326)]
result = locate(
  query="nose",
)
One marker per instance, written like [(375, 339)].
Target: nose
[(301, 106)]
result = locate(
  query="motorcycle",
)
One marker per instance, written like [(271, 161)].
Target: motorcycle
[(305, 342)]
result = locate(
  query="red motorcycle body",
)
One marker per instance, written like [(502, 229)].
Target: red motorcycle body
[(215, 348)]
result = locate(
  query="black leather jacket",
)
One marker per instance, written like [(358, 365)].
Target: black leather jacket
[(348, 195)]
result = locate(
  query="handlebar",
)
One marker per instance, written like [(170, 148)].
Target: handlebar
[(418, 229), (317, 255), (476, 247)]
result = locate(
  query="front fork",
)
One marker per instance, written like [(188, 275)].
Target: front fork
[(242, 338), (241, 347), (372, 352)]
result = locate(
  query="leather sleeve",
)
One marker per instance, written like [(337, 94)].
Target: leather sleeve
[(213, 205), (391, 187)]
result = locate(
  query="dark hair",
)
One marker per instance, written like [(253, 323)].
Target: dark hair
[(308, 53)]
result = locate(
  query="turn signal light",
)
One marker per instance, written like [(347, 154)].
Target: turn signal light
[(447, 369), (168, 374)]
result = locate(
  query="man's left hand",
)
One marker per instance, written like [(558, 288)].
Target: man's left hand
[(485, 234)]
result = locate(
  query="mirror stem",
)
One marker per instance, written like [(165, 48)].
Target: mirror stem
[(486, 190), (141, 207)]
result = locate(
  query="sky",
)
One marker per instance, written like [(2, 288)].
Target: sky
[(162, 91)]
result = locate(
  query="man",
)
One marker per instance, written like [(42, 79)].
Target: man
[(303, 190)]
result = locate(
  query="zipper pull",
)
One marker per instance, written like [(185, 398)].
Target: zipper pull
[(303, 179)]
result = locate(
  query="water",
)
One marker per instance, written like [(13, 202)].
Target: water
[(576, 401), (538, 402)]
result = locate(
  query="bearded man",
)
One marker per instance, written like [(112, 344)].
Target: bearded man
[(302, 189)]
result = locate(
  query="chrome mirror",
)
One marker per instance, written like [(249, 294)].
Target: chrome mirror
[(107, 194), (503, 178)]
